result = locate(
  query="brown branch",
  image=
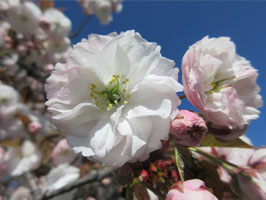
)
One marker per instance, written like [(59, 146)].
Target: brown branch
[(183, 96), (90, 178)]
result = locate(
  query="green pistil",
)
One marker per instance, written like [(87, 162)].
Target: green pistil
[(216, 85), (112, 95)]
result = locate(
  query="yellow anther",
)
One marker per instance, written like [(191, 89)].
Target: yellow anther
[(127, 79), (110, 106), (93, 86), (128, 96), (124, 90), (91, 94), (105, 95), (112, 80), (102, 108), (125, 102), (116, 101)]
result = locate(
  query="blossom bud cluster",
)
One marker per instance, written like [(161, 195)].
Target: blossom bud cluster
[(16, 119), (21, 129), (31, 40), (18, 124)]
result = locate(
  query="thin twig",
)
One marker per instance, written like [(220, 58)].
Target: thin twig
[(183, 96), (90, 178), (82, 26)]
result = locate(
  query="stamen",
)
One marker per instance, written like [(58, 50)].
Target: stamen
[(113, 94), (216, 85)]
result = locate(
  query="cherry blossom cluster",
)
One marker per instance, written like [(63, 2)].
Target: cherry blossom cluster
[(103, 9), (32, 40)]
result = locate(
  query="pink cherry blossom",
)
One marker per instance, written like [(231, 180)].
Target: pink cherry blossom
[(220, 83), (192, 189), (62, 153)]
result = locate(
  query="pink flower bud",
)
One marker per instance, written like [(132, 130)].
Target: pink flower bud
[(143, 175), (49, 67), (190, 189), (34, 127), (45, 24), (188, 128)]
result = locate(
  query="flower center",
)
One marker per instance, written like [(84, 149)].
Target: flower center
[(114, 94), (217, 85)]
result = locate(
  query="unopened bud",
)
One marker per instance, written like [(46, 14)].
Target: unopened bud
[(188, 128), (34, 127)]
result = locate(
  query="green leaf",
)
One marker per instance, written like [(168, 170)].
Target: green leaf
[(179, 165), (210, 141)]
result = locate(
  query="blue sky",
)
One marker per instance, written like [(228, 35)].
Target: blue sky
[(175, 25)]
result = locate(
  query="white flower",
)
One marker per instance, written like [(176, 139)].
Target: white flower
[(54, 45), (10, 125), (60, 177), (103, 9), (23, 159), (59, 24), (5, 5), (24, 18), (4, 27), (220, 83), (22, 193), (114, 98), (8, 96)]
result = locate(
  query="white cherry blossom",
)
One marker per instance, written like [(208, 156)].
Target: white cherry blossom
[(25, 18), (103, 9), (23, 158), (59, 24), (61, 176), (114, 98)]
